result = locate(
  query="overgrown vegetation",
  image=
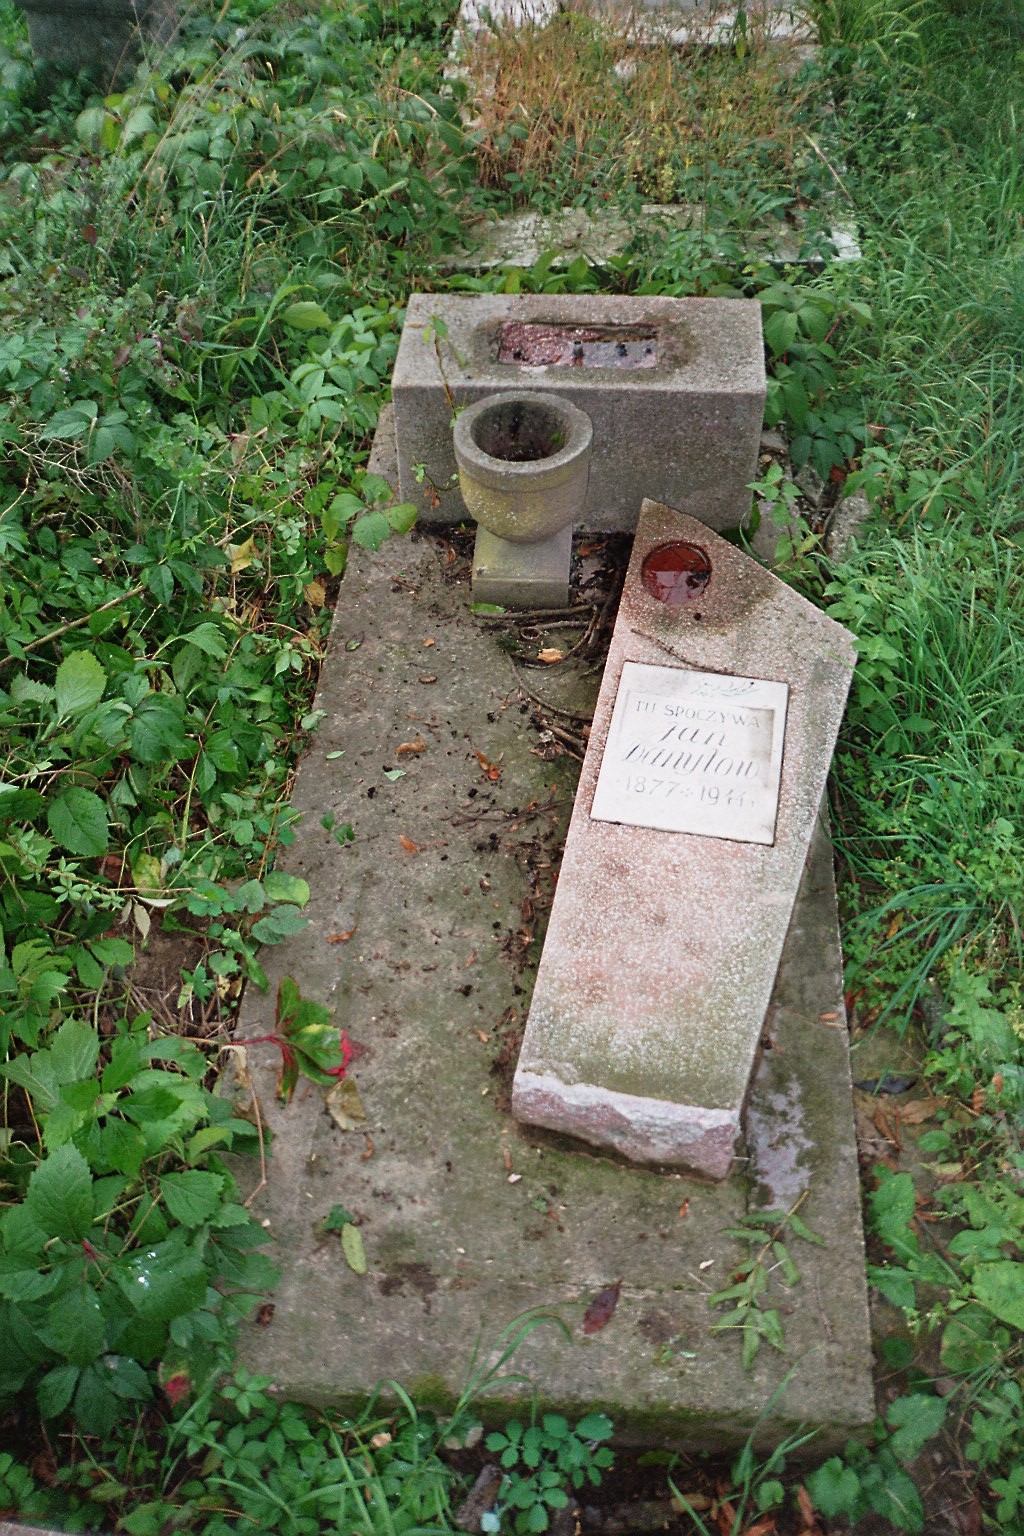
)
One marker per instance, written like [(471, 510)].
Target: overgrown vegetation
[(203, 279), (579, 110)]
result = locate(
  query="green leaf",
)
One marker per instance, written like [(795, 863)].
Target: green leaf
[(306, 316), (79, 683), (60, 1195), (192, 1196), (896, 1285), (337, 1219), (283, 887), (835, 1489), (207, 637), (77, 818), (279, 924), (892, 1206), (95, 1404), (370, 530), (999, 1287), (352, 1248), (74, 1052), (165, 1281), (596, 1426), (56, 1390), (75, 1327), (780, 331), (898, 1500), (914, 1419), (402, 516)]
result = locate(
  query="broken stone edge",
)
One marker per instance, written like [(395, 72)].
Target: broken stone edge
[(644, 1130)]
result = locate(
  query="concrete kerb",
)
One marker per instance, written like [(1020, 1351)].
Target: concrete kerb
[(468, 1222)]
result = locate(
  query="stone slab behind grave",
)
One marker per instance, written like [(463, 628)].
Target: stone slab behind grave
[(683, 421), (466, 1222), (663, 945)]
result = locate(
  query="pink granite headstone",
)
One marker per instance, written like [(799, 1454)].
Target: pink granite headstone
[(711, 743)]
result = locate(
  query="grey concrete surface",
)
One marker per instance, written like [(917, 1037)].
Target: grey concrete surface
[(417, 938)]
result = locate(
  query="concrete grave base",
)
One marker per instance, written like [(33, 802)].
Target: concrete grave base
[(416, 938)]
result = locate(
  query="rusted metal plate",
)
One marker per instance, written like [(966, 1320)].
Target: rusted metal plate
[(535, 344)]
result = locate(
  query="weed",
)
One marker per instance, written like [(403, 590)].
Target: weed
[(746, 1293), (576, 109), (542, 1462)]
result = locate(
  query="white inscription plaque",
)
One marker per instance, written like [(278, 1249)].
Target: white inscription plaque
[(694, 752)]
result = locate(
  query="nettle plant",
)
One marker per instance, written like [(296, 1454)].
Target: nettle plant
[(124, 1247)]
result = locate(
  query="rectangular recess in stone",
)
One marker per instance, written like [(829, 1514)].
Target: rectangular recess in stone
[(527, 344), (693, 752), (663, 946), (684, 430)]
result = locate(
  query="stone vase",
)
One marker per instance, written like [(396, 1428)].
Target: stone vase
[(524, 463)]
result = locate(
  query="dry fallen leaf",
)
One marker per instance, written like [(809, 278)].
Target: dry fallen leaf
[(761, 1527), (409, 846), (340, 938), (364, 1156), (241, 555), (698, 1501), (344, 1105), (917, 1110), (550, 654), (411, 747), (427, 643), (490, 770), (602, 1309)]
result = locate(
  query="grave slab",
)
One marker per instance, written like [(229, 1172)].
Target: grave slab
[(684, 856), (415, 938), (521, 239), (683, 418)]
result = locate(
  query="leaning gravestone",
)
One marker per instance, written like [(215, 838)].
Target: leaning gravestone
[(711, 744)]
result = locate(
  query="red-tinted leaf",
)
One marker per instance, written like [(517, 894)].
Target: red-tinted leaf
[(177, 1387), (602, 1309)]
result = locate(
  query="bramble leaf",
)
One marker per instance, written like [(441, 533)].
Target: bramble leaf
[(60, 1196), (78, 820), (79, 683)]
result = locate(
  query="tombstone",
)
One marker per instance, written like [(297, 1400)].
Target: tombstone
[(708, 756), (674, 388), (101, 38)]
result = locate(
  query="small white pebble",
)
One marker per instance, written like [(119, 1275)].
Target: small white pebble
[(514, 1178)]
